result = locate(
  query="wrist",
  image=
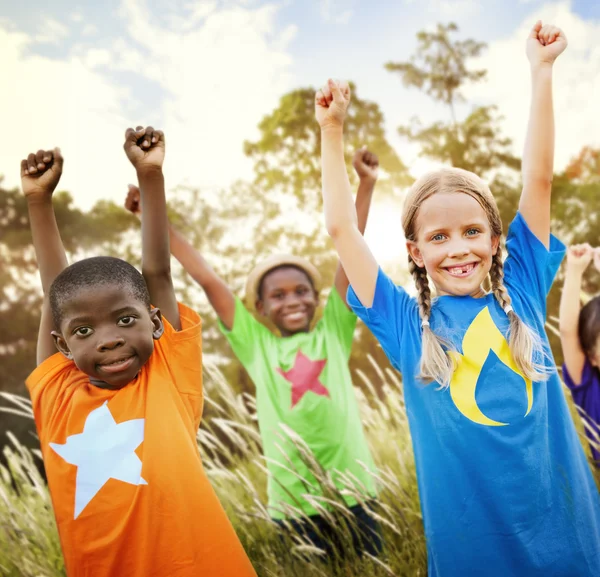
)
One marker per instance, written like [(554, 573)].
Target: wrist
[(332, 131), (367, 184), (39, 200), (542, 67), (151, 170)]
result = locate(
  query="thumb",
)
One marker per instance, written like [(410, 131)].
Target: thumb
[(536, 29), (58, 158)]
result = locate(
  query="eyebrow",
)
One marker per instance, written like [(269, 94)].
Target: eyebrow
[(86, 318), (439, 229)]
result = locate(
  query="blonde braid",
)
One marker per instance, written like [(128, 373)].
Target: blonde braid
[(524, 343), (436, 364)]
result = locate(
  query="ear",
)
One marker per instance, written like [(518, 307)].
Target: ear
[(61, 345), (495, 244), (260, 308), (157, 324), (415, 253)]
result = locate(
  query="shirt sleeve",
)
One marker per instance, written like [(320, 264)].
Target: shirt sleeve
[(337, 317), (246, 335), (587, 377), (48, 384), (388, 315), (181, 351), (530, 267)]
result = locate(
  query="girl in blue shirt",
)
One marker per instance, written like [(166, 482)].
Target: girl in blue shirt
[(504, 484)]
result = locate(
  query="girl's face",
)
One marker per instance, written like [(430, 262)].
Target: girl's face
[(454, 243)]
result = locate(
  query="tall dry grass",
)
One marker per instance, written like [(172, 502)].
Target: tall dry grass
[(231, 448)]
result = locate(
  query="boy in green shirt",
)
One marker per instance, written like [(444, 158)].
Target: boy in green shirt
[(302, 377)]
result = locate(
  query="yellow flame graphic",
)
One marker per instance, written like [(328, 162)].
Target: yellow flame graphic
[(481, 337)]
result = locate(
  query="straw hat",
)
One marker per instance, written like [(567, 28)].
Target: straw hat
[(274, 261)]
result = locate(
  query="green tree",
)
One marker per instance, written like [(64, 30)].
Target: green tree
[(439, 68)]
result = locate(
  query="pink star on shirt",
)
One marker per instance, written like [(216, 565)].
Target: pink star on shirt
[(304, 376)]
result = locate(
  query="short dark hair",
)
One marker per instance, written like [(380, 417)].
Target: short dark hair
[(279, 267), (589, 326), (98, 270)]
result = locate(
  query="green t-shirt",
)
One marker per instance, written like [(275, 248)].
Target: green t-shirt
[(303, 381)]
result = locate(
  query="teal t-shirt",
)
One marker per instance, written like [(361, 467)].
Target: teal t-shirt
[(303, 382)]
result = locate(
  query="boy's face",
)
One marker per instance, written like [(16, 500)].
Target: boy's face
[(288, 300), (108, 333)]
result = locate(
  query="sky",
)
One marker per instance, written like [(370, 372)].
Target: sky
[(77, 74)]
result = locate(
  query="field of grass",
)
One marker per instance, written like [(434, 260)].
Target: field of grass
[(231, 450)]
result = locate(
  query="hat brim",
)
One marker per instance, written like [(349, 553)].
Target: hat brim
[(275, 261)]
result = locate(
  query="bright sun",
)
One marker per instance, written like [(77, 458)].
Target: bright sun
[(384, 232)]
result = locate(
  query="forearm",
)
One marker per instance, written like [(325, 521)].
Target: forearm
[(49, 250), (156, 255), (364, 195), (190, 259), (538, 154), (219, 295), (340, 212), (570, 303)]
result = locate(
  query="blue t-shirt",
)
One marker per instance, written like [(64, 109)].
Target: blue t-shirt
[(586, 395), (504, 484)]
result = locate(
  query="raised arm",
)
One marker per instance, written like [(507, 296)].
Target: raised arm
[(578, 259), (331, 103), (544, 45), (145, 148), (366, 165), (218, 293), (40, 174)]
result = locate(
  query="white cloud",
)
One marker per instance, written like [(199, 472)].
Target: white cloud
[(214, 83), (576, 82), (51, 31), (89, 30), (453, 8), (335, 11), (221, 78), (62, 104)]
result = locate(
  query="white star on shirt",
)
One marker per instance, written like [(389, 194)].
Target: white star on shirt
[(105, 450)]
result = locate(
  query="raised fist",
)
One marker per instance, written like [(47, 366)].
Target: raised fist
[(579, 256), (545, 43), (40, 173), (145, 147), (132, 201), (331, 103), (366, 164)]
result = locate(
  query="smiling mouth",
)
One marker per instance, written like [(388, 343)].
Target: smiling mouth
[(117, 366), (462, 270), (297, 316)]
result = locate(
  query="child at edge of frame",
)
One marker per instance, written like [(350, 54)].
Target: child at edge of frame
[(504, 483), (117, 408), (580, 341), (302, 380)]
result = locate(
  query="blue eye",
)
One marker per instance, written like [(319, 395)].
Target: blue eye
[(472, 232), (437, 237)]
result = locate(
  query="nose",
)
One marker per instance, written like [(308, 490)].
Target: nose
[(109, 343), (293, 300), (458, 248)]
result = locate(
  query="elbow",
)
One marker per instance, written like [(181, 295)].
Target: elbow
[(336, 229)]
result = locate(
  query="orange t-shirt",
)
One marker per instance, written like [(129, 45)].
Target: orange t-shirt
[(130, 495)]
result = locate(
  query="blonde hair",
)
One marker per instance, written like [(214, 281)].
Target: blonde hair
[(524, 343)]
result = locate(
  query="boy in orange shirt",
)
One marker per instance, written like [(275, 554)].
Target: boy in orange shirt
[(118, 408)]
